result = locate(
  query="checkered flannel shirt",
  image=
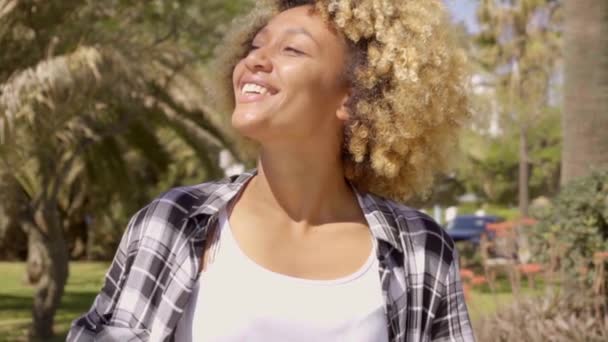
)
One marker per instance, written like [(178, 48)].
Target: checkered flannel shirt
[(157, 263)]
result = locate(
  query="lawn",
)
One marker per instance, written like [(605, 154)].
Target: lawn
[(483, 302), (85, 281), (16, 298)]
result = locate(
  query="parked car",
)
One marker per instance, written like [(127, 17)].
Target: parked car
[(469, 227)]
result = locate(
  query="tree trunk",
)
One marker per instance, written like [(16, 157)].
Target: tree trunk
[(48, 268), (524, 197), (585, 116)]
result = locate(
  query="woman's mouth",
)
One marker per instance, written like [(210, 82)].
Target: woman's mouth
[(252, 88), (253, 92)]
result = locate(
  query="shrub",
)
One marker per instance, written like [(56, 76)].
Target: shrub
[(576, 224), (558, 316)]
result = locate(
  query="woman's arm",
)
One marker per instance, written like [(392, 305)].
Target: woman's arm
[(96, 323), (451, 322)]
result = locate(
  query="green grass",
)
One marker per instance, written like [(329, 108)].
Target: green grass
[(483, 302), (508, 213), (86, 279), (16, 298)]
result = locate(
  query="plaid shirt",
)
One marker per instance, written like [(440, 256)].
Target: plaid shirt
[(157, 263)]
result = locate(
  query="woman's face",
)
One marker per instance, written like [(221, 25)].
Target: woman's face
[(290, 84)]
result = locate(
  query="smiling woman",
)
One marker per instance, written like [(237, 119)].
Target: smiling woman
[(297, 61), (408, 85), (348, 101)]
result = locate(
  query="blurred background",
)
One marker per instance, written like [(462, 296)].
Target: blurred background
[(103, 105)]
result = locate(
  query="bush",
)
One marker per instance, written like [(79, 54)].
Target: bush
[(576, 224), (556, 316)]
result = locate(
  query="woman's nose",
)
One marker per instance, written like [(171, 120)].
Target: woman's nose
[(258, 60)]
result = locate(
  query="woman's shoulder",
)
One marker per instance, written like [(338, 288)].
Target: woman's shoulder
[(168, 213), (417, 234), (413, 224), (201, 191)]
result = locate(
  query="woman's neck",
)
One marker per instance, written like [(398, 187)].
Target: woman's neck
[(308, 187)]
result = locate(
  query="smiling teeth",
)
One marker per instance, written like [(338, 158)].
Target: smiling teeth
[(254, 88)]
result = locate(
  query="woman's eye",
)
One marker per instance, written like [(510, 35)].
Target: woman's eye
[(293, 50)]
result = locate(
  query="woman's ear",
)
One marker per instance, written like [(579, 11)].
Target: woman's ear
[(343, 113)]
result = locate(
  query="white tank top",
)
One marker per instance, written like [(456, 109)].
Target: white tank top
[(236, 299)]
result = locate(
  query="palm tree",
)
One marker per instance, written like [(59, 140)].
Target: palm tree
[(78, 120), (518, 44), (57, 150), (585, 116)]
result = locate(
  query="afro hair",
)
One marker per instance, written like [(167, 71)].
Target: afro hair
[(409, 88)]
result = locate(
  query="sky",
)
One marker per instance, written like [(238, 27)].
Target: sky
[(464, 10)]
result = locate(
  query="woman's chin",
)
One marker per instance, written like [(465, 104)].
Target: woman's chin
[(250, 125)]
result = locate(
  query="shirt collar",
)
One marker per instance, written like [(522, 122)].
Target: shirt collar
[(379, 215)]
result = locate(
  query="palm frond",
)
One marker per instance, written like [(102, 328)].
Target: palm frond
[(48, 85)]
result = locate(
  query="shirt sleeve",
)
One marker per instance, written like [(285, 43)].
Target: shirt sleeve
[(451, 322), (95, 325)]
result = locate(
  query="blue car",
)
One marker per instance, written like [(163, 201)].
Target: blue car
[(469, 227)]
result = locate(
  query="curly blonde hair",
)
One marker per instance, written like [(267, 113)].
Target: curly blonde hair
[(409, 87)]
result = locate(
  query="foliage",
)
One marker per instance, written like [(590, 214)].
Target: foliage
[(516, 50), (489, 166), (558, 316), (102, 103), (576, 224), (98, 103), (545, 142), (508, 213)]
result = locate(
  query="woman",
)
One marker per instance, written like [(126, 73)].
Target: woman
[(347, 104)]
